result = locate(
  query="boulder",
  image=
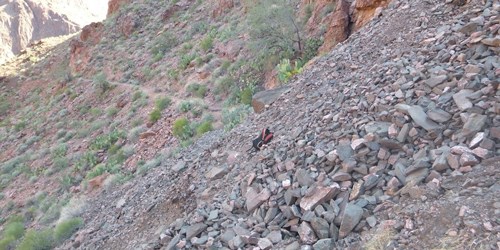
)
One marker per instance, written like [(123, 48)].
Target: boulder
[(267, 97)]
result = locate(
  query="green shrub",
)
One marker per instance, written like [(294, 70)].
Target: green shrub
[(207, 43), (7, 242), (162, 103), (66, 228), (20, 126), (104, 142), (308, 13), (286, 70), (311, 49), (246, 95), (86, 161), (4, 105), (39, 240), (204, 127), (61, 163), (99, 169), (101, 84), (155, 115), (60, 150), (197, 90), (186, 60), (224, 85), (173, 74), (234, 116), (181, 129), (162, 45), (148, 165), (112, 111), (185, 106)]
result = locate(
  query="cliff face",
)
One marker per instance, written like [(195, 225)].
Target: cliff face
[(24, 21)]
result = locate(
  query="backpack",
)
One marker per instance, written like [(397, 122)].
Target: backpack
[(264, 137)]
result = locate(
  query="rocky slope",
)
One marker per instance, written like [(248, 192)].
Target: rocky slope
[(25, 21), (390, 140)]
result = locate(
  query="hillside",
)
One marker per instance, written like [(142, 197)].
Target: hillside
[(136, 133), (25, 21)]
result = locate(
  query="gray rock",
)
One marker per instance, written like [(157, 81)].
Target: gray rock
[(351, 217), (345, 151), (293, 246), (403, 134), (216, 173), (200, 241), (474, 124), (439, 115), (264, 244), (419, 117), (179, 166), (334, 231), (324, 244), (275, 236), (195, 230), (441, 163), (461, 99), (320, 227), (306, 233), (436, 80), (379, 128), (302, 176), (372, 221), (173, 242), (254, 199), (214, 214)]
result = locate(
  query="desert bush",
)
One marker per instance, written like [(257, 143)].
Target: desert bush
[(286, 70), (13, 230), (101, 84), (4, 105), (162, 103), (224, 85), (104, 142), (185, 60), (197, 90), (60, 163), (66, 228), (204, 127), (181, 129), (39, 240), (185, 106), (164, 43), (155, 115), (207, 43), (234, 116), (112, 111)]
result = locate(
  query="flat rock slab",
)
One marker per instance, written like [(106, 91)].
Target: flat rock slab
[(255, 199), (195, 229), (320, 195), (267, 97), (351, 218), (419, 117)]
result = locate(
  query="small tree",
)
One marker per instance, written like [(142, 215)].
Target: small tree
[(274, 27)]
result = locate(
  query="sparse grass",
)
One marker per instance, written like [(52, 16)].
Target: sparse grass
[(380, 240), (4, 105), (66, 228), (148, 165)]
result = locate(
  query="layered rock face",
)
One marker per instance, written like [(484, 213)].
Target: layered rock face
[(24, 21)]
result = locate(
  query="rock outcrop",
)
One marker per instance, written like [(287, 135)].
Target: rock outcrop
[(25, 21)]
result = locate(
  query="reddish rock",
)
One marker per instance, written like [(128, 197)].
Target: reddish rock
[(468, 160), (221, 7), (338, 28), (365, 10), (97, 182), (320, 195), (495, 132), (306, 233), (114, 6), (147, 134), (255, 199)]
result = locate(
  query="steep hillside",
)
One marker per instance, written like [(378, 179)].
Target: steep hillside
[(389, 141), (128, 135), (26, 21)]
